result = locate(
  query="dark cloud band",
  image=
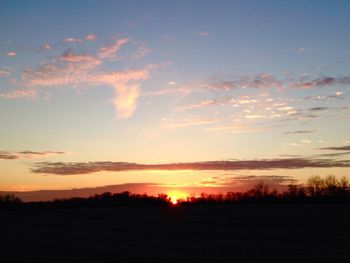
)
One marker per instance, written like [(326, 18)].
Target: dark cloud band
[(62, 168)]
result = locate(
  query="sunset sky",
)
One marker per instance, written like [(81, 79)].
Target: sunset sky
[(179, 95)]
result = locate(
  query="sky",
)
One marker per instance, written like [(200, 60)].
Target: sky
[(180, 95)]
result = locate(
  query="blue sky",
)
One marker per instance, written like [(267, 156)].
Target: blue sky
[(154, 82)]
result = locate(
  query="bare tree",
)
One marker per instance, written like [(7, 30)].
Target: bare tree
[(261, 189), (315, 185)]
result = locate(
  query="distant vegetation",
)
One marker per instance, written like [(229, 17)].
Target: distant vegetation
[(316, 190)]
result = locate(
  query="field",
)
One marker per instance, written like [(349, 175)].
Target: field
[(220, 233)]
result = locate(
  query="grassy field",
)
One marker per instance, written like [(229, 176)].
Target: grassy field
[(220, 233)]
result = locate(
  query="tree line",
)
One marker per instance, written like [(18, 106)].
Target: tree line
[(316, 189)]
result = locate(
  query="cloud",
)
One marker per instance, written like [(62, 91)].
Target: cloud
[(336, 95), (90, 37), (67, 69), (306, 141), (334, 154), (260, 81), (4, 73), (44, 47), (318, 109), (35, 153), (247, 182), (125, 100), (301, 50), (27, 154), (141, 51), (201, 104), (72, 40), (82, 60), (203, 34), (298, 132), (168, 123), (110, 52), (7, 155), (234, 128), (72, 69), (254, 116), (16, 94), (323, 81), (340, 148), (11, 54), (71, 168), (271, 180)]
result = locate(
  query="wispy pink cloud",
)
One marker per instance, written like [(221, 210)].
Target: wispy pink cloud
[(90, 37), (75, 70), (110, 52), (11, 53), (16, 94), (44, 47)]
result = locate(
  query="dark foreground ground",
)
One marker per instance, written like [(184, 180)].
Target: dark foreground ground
[(228, 233)]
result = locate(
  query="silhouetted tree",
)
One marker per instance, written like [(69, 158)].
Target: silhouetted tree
[(10, 198), (315, 186), (261, 189)]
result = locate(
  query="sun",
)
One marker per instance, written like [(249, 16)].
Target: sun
[(173, 199), (176, 196)]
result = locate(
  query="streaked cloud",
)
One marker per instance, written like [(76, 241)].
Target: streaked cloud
[(72, 40), (318, 109), (262, 81), (323, 82), (62, 168), (334, 154), (8, 155), (201, 104), (188, 122), (5, 155), (298, 132), (337, 148), (233, 128), (249, 181)]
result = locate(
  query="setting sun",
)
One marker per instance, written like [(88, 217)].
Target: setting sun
[(175, 196), (173, 200)]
